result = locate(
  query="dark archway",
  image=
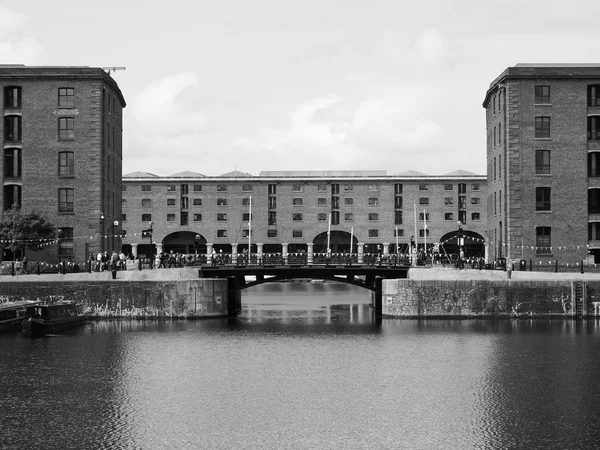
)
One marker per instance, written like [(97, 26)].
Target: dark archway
[(339, 242), (474, 244), (186, 242)]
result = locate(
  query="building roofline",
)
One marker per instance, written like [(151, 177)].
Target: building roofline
[(530, 71), (31, 72), (279, 179)]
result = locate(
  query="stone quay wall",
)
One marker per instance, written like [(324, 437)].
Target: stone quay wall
[(409, 298), (154, 295)]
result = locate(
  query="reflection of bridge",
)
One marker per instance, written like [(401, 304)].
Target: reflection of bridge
[(368, 277)]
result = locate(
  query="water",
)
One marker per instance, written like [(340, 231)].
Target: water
[(304, 367)]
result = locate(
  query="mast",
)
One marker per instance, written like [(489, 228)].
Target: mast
[(425, 230), (328, 233), (250, 228)]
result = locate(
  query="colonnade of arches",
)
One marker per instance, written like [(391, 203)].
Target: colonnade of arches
[(187, 242)]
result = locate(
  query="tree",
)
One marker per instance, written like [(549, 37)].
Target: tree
[(25, 231)]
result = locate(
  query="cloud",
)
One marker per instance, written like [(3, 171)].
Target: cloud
[(163, 132), (10, 21), (333, 132), (158, 108), (423, 53), (17, 49)]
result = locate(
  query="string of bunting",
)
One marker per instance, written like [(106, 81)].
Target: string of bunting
[(8, 266), (470, 238), (44, 242)]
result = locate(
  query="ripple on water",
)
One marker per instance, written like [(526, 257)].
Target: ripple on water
[(318, 380)]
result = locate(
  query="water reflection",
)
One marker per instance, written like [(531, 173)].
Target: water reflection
[(304, 367)]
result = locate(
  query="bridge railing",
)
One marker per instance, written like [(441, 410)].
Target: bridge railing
[(304, 259)]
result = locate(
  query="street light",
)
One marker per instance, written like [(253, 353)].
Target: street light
[(115, 225), (101, 232)]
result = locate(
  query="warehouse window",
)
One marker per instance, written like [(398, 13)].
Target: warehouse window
[(542, 127), (66, 98)]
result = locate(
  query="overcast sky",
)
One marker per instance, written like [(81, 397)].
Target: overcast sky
[(215, 86)]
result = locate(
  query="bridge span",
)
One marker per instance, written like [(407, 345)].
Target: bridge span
[(369, 277)]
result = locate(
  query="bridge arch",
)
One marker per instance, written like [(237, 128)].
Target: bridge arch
[(474, 244), (186, 242), (339, 242)]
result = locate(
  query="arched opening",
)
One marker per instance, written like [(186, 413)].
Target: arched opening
[(473, 244), (185, 242), (339, 242), (272, 248)]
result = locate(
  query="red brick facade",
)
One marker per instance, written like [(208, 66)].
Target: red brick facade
[(291, 210), (70, 162), (538, 208)]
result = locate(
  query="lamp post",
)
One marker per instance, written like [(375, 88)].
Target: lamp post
[(102, 232), (115, 225), (460, 242)]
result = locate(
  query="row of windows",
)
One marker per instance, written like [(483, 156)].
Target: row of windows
[(542, 97), (13, 97), (322, 217), (542, 164), (462, 187), (184, 188), (66, 198), (13, 129), (542, 128), (448, 201), (13, 163), (542, 200)]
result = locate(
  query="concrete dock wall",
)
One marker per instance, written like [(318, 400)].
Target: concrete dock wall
[(149, 294), (474, 298)]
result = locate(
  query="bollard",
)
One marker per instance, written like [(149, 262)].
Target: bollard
[(89, 264), (140, 264), (556, 266), (38, 268), (509, 272), (581, 266), (12, 270)]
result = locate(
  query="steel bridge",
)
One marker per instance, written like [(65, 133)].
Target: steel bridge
[(366, 276)]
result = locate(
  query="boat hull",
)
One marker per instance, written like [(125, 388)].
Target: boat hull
[(11, 324), (36, 326)]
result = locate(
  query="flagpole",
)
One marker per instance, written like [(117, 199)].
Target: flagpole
[(416, 235), (425, 230), (328, 232), (250, 229)]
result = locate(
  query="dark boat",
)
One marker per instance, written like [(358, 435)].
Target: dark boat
[(52, 318), (12, 314)]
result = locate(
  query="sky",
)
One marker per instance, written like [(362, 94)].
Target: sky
[(217, 86)]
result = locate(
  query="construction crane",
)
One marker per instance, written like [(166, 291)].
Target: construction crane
[(112, 69)]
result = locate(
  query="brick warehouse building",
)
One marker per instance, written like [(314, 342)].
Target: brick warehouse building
[(543, 154), (62, 142), (189, 212)]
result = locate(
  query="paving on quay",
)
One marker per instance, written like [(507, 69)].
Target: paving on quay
[(450, 273)]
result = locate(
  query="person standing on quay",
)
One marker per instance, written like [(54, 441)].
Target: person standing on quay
[(114, 263), (99, 262)]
